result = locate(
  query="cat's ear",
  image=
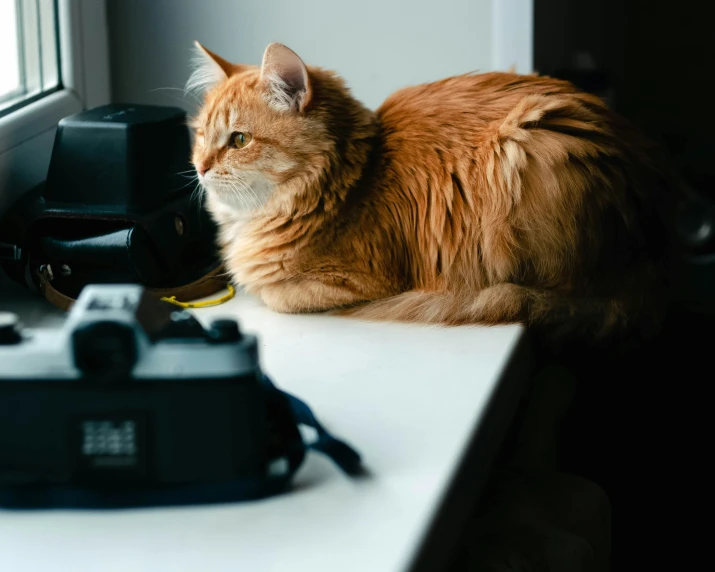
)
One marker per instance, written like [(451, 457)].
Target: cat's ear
[(285, 78), (209, 69)]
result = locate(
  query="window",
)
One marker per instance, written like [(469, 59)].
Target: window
[(54, 61), (28, 42), (9, 45)]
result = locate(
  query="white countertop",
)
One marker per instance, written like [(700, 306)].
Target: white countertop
[(409, 398)]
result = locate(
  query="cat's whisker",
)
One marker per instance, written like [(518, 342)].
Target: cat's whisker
[(242, 186), (238, 195), (183, 91), (193, 179), (258, 202), (199, 193), (239, 191), (254, 196)]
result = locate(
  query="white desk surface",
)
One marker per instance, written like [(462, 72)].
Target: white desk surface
[(408, 398)]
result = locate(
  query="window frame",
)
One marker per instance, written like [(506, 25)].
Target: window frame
[(26, 134), (513, 35)]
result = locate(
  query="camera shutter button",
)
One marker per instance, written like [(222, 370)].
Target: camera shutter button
[(9, 329)]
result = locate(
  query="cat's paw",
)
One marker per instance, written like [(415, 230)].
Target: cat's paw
[(283, 302)]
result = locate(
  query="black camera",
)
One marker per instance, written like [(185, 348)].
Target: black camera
[(133, 395), (118, 205)]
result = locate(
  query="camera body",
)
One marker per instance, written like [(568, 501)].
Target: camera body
[(130, 392)]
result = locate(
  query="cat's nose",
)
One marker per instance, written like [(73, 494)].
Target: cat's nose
[(201, 168)]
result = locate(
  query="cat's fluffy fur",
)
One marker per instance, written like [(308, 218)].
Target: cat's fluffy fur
[(482, 198)]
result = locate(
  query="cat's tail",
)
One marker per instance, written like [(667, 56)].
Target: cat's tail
[(554, 314)]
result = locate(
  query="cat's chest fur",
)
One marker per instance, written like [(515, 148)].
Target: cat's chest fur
[(252, 250)]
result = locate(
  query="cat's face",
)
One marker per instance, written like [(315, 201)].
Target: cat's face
[(253, 131)]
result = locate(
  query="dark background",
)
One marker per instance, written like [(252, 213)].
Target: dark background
[(640, 427), (658, 55)]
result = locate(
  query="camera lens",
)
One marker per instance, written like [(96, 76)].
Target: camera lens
[(105, 349)]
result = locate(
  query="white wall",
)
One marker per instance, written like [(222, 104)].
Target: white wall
[(378, 46)]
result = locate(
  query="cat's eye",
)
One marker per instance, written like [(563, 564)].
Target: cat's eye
[(239, 139)]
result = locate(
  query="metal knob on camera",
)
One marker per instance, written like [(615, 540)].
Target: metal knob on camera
[(695, 224)]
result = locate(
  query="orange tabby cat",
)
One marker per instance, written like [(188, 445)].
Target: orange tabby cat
[(487, 199)]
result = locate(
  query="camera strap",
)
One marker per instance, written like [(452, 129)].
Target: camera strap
[(338, 451), (205, 286)]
